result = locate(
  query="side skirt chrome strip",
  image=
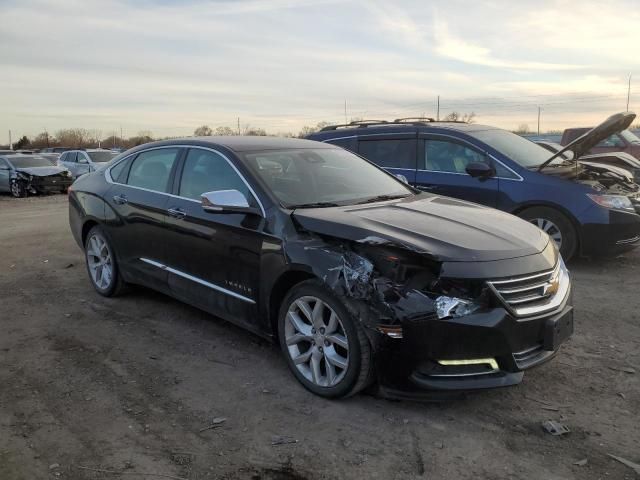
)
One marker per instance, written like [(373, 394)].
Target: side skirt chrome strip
[(198, 280)]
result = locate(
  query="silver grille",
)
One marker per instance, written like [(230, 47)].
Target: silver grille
[(533, 294)]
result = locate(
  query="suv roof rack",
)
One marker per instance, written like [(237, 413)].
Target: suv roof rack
[(397, 121)]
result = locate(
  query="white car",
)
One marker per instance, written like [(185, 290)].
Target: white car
[(80, 162)]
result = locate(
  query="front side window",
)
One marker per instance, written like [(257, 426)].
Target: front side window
[(520, 150), (71, 157), (152, 169), (205, 171), (390, 153), (445, 156), (322, 177)]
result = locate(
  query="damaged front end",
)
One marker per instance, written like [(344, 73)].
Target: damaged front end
[(430, 330), (24, 183)]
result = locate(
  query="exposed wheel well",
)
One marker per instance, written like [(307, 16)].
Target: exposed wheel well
[(286, 281), (88, 225)]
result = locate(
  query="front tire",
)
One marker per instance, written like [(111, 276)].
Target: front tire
[(556, 225), (324, 345), (18, 190), (102, 265)]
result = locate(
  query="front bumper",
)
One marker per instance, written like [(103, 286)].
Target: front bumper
[(620, 234), (479, 351)]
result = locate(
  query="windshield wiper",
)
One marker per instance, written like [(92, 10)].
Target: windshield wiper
[(314, 205), (382, 198)]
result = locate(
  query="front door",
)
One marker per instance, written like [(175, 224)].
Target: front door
[(136, 220), (442, 163), (213, 259)]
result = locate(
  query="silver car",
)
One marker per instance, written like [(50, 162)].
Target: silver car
[(80, 162)]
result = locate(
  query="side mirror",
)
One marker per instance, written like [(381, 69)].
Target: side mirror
[(480, 170), (402, 178), (226, 201)]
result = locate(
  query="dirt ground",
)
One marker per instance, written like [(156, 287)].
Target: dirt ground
[(130, 385)]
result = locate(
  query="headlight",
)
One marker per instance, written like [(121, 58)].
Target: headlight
[(454, 307), (618, 202)]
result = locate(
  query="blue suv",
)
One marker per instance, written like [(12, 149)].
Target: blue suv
[(586, 207)]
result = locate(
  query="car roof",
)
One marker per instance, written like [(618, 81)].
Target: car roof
[(241, 143), (383, 128)]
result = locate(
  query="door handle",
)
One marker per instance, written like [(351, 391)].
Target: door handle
[(427, 187), (177, 213), (120, 199)]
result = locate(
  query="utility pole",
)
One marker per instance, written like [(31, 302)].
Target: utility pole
[(628, 92), (345, 111), (10, 142), (538, 119), (47, 135), (238, 125), (121, 138), (438, 109)]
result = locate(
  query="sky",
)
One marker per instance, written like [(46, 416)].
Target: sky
[(168, 66)]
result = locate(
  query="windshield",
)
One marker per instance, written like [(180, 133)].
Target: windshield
[(27, 162), (100, 157), (630, 136), (322, 177), (522, 151), (556, 147)]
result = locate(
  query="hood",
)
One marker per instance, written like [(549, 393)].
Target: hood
[(585, 142), (42, 171), (623, 157), (443, 228)]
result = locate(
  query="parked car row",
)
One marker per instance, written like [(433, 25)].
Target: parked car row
[(30, 174), (588, 207)]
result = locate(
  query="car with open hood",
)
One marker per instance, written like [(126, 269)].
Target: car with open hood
[(30, 174), (587, 207), (362, 279), (621, 160)]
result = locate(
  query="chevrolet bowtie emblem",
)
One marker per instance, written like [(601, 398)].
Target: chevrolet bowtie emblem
[(551, 288)]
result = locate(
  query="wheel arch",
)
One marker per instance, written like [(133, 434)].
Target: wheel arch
[(574, 221), (285, 282)]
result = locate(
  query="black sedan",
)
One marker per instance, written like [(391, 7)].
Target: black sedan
[(361, 279)]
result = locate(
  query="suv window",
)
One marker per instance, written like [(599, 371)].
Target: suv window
[(348, 143), (451, 157), (152, 169), (390, 153), (206, 171)]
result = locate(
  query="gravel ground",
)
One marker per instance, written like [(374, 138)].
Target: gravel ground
[(130, 385)]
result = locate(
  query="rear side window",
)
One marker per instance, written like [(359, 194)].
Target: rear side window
[(347, 143), (119, 172), (152, 169), (390, 153), (611, 141), (206, 171)]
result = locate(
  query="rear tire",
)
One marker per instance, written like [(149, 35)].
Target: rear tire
[(557, 225), (325, 347), (102, 265)]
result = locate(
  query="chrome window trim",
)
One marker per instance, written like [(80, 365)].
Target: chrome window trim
[(107, 174), (519, 179), (210, 285)]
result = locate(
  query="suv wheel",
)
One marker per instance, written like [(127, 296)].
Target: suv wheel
[(556, 225), (325, 347), (101, 264)]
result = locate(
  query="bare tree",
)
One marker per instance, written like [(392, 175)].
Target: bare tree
[(226, 131), (522, 129), (203, 131), (306, 130), (457, 117)]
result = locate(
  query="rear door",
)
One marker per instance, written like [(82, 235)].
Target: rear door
[(213, 259), (396, 153), (83, 164), (136, 223), (442, 162)]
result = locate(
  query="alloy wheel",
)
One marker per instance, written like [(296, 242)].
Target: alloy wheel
[(15, 189), (316, 341), (549, 228), (99, 262)]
